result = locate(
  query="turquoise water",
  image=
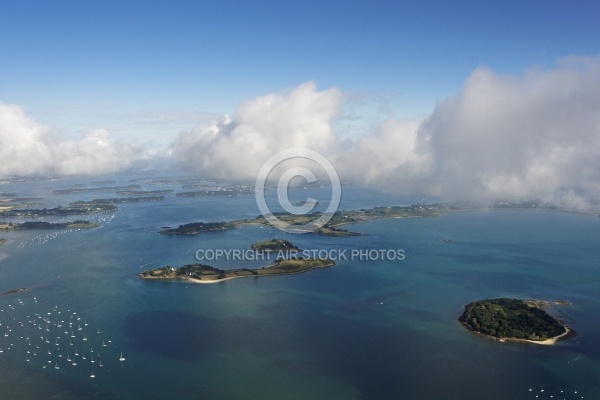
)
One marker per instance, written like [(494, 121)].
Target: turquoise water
[(360, 330)]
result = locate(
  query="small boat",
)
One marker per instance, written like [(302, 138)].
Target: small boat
[(100, 365), (56, 366), (121, 358), (92, 375)]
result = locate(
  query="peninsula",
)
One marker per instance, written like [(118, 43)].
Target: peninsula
[(513, 320), (199, 273)]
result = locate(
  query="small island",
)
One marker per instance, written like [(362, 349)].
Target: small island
[(195, 228), (199, 273), (96, 189), (14, 291), (513, 320), (74, 209), (274, 245), (145, 193), (331, 228), (343, 217), (227, 191), (29, 225)]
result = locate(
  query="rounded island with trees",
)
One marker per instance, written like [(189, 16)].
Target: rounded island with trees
[(514, 320)]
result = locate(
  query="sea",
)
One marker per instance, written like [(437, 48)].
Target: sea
[(371, 327)]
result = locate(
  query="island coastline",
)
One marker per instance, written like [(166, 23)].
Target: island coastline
[(205, 274), (505, 306)]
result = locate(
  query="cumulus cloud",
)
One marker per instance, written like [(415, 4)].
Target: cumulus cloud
[(237, 146), (536, 135), (28, 148), (529, 136)]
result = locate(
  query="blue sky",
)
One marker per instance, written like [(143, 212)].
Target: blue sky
[(452, 99), (149, 68)]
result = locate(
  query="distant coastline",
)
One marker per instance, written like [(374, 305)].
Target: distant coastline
[(344, 217)]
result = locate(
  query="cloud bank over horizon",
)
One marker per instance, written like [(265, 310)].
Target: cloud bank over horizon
[(29, 149), (531, 136), (536, 135)]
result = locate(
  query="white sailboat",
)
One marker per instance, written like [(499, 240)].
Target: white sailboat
[(121, 358)]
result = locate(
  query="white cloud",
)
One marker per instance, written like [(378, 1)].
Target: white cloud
[(530, 136), (237, 146), (28, 148)]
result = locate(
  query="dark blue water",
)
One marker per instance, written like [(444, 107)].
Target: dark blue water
[(361, 330)]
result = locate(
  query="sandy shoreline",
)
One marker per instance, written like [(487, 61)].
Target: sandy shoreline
[(548, 342)]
